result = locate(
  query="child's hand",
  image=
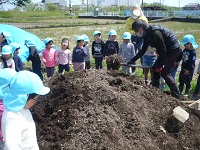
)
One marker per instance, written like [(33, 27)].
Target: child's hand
[(198, 72), (57, 63), (186, 72)]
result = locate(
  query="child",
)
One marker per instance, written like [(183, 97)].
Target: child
[(5, 77), (5, 39), (98, 50), (18, 62), (188, 63), (87, 46), (111, 46), (79, 53), (7, 61), (49, 57), (197, 88), (126, 51), (149, 59), (18, 127), (34, 57), (64, 56)]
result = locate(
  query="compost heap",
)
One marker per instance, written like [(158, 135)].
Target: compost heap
[(106, 110)]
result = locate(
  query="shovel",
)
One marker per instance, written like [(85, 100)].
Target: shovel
[(132, 65)]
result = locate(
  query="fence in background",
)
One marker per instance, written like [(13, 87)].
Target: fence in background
[(189, 14)]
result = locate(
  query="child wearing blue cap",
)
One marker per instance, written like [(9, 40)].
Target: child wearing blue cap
[(5, 39), (7, 61), (78, 55), (49, 57), (111, 46), (188, 57), (127, 52), (87, 46), (18, 127), (34, 57), (5, 78), (18, 62), (98, 47)]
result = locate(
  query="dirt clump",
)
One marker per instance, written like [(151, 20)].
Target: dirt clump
[(113, 62), (106, 110)]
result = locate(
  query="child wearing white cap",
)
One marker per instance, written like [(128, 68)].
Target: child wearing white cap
[(7, 61), (18, 127), (5, 77)]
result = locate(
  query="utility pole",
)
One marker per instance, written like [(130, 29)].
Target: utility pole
[(142, 5), (70, 7), (87, 6)]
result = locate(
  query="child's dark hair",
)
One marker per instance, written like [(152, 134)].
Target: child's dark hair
[(65, 39)]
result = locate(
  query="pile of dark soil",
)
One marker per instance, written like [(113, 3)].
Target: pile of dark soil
[(103, 110)]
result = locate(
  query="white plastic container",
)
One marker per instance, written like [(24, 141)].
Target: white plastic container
[(180, 114)]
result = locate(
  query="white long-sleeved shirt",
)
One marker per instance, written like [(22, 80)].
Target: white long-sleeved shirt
[(127, 52)]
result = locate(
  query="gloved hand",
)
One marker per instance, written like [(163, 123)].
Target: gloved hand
[(159, 70)]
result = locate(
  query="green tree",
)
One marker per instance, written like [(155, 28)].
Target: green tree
[(51, 7), (15, 2)]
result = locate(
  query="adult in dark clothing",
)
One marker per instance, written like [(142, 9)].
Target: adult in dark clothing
[(168, 50), (18, 62), (34, 57)]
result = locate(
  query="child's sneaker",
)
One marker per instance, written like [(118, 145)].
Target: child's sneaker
[(146, 82), (185, 95)]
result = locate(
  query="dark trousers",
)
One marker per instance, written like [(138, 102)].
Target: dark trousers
[(87, 65), (171, 58), (63, 67), (50, 71), (197, 88), (98, 62), (38, 70)]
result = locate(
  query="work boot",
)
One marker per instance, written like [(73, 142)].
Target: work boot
[(186, 92), (156, 83), (174, 91)]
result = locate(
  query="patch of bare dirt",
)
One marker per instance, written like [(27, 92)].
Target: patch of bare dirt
[(103, 110)]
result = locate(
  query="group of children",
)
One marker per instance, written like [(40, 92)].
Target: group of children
[(80, 56)]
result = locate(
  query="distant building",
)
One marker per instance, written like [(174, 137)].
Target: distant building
[(56, 2), (107, 3), (154, 8), (192, 6)]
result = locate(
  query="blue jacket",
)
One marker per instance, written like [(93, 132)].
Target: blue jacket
[(18, 63), (79, 54)]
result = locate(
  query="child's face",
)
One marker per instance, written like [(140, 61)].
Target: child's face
[(7, 56), (17, 51), (97, 37), (113, 37), (49, 45), (64, 44), (81, 43), (188, 45), (126, 41)]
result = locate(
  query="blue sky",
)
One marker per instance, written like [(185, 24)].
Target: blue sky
[(166, 2), (176, 3)]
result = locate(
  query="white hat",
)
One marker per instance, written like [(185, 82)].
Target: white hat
[(137, 11)]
